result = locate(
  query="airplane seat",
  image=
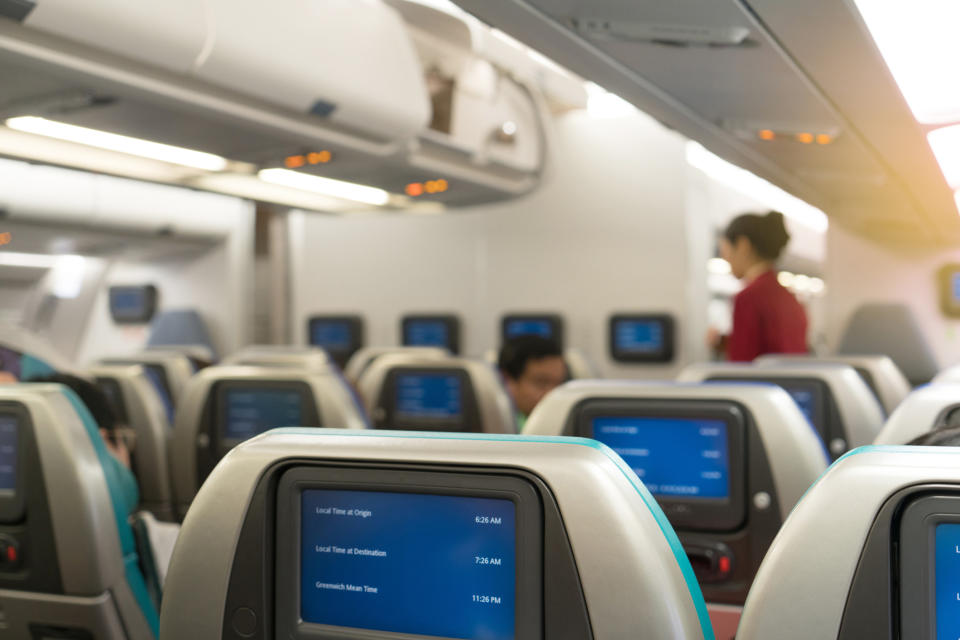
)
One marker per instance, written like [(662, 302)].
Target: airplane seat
[(223, 406), (382, 535), (178, 328), (833, 397), (69, 567), (26, 355), (579, 366), (167, 370), (268, 355), (927, 408), (870, 552), (200, 356), (137, 405), (891, 329), (416, 393), (950, 375), (881, 374), (360, 360), (727, 462)]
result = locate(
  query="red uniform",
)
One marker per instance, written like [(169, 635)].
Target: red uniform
[(766, 319)]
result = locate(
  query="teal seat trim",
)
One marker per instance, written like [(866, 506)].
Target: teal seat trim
[(31, 367), (123, 501), (666, 528)]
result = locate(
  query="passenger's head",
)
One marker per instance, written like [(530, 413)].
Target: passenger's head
[(98, 404), (532, 366), (751, 239)]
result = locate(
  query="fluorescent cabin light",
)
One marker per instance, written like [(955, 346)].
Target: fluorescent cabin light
[(918, 40), (31, 260), (66, 279), (118, 143), (755, 187), (945, 143), (326, 186)]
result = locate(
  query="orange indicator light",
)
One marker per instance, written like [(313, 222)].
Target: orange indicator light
[(824, 138), (414, 189), (805, 138), (294, 162), (766, 134)]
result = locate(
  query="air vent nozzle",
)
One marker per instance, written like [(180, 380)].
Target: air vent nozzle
[(668, 34)]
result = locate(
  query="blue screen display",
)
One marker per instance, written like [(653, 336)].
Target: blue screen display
[(426, 333), (8, 454), (419, 564), (675, 457), (542, 328), (955, 286), (127, 302), (429, 395), (333, 335), (638, 336), (158, 378), (947, 578), (250, 412), (805, 399)]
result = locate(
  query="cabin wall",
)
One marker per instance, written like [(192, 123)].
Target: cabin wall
[(606, 232), (860, 271)]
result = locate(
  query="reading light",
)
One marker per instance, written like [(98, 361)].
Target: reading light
[(116, 142), (918, 41), (945, 143), (326, 186), (766, 134)]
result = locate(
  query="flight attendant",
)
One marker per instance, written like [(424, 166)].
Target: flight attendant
[(766, 317)]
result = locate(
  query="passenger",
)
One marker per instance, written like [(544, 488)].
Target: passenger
[(531, 367), (114, 435), (766, 317)]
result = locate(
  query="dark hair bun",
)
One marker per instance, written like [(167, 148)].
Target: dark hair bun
[(767, 233)]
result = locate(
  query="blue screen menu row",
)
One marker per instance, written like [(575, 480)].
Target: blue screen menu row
[(542, 328), (421, 564), (638, 336), (947, 579), (250, 412), (8, 454), (335, 335), (675, 457), (427, 333), (429, 395)]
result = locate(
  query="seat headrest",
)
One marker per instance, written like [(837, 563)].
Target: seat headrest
[(861, 550), (879, 372), (410, 391), (69, 493), (869, 331), (431, 535), (834, 397), (360, 360), (282, 356), (225, 405), (180, 327), (922, 411)]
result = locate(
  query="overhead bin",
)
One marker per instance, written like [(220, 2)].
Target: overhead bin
[(421, 104)]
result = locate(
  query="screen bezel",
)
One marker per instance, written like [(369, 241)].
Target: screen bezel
[(451, 322), (355, 324), (528, 605), (692, 514), (308, 407), (664, 355), (949, 304), (149, 293), (468, 421), (917, 561), (554, 320), (13, 503)]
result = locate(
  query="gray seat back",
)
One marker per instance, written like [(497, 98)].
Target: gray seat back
[(925, 409), (893, 330), (377, 534), (363, 358), (870, 552)]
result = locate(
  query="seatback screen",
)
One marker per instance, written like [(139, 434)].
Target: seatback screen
[(158, 378), (674, 457), (8, 454), (409, 563), (638, 336), (530, 327), (808, 398), (426, 333), (133, 304), (333, 335), (947, 578), (428, 396), (248, 411)]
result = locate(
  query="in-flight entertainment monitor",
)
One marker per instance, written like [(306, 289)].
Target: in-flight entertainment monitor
[(428, 399), (8, 453), (436, 555), (432, 331), (548, 326), (14, 423), (248, 410), (948, 281), (691, 458), (808, 396), (641, 338), (341, 336), (132, 304)]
